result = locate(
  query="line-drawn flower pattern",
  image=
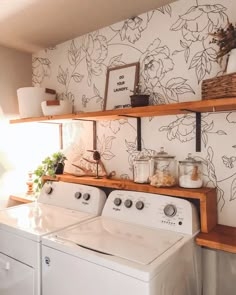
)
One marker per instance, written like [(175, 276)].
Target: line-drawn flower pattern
[(116, 125), (210, 175), (229, 162), (195, 26), (171, 70), (131, 29), (41, 69), (104, 146), (96, 51), (183, 129), (165, 9), (155, 63)]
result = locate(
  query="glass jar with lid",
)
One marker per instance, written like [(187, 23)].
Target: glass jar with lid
[(141, 170), (190, 173), (163, 170)]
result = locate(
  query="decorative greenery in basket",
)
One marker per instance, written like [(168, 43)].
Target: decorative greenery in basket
[(50, 166), (225, 39)]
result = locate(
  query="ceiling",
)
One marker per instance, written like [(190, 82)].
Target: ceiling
[(31, 25)]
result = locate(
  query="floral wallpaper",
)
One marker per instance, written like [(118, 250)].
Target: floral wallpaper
[(174, 49)]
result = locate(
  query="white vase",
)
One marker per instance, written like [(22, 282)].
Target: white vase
[(231, 66)]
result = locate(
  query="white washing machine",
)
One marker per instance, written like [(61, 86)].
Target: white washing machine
[(143, 244), (59, 205)]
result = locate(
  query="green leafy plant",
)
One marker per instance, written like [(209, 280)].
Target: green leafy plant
[(48, 167)]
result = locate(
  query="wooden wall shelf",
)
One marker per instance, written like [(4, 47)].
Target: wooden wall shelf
[(202, 106), (220, 238), (22, 198), (206, 196)]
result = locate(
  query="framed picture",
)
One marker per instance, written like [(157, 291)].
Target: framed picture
[(119, 84)]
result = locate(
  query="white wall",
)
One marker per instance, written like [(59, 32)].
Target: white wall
[(15, 72)]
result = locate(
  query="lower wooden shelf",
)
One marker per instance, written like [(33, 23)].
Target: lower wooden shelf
[(22, 198), (206, 196), (222, 237)]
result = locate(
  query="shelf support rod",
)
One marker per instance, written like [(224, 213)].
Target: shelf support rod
[(198, 128), (139, 131), (139, 134), (198, 131)]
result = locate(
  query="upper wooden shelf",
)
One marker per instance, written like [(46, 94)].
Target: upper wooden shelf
[(212, 105), (206, 196)]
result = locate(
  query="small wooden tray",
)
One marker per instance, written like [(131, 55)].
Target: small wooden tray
[(219, 87)]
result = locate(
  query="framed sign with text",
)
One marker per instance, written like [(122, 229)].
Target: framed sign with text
[(120, 82)]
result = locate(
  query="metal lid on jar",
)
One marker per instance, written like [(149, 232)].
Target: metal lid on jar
[(190, 160), (163, 155), (140, 159)]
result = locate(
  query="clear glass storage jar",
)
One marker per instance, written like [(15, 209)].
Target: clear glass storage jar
[(141, 170), (163, 170), (190, 173)]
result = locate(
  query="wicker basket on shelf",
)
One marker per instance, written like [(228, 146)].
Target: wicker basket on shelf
[(219, 87)]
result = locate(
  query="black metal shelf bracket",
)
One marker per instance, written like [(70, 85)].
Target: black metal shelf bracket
[(139, 134), (198, 128)]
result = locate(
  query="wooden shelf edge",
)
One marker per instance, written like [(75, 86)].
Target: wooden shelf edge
[(222, 238), (126, 184), (21, 199), (211, 105)]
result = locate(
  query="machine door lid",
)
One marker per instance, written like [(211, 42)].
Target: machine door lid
[(128, 241), (36, 219)]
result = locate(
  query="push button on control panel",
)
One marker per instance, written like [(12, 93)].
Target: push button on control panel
[(117, 201), (86, 196), (78, 195), (48, 190), (128, 203), (139, 205)]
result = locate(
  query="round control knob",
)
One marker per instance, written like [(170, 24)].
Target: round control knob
[(48, 190), (86, 196), (139, 205), (170, 210), (117, 201), (128, 203), (78, 195)]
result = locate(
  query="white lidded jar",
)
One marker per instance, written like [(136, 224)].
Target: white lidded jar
[(190, 173), (141, 170), (163, 170)]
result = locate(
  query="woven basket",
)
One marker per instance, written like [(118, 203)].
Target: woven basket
[(219, 87)]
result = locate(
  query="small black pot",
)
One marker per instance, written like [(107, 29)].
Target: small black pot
[(59, 169), (139, 100)]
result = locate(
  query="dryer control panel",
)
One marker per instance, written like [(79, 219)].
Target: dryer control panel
[(153, 210), (73, 196)]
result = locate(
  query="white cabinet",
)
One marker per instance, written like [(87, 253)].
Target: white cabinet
[(16, 278)]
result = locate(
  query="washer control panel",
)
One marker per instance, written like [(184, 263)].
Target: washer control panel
[(153, 210)]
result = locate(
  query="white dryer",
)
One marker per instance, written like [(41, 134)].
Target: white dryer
[(59, 205), (143, 244)]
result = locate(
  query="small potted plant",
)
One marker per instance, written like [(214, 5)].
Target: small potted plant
[(139, 99), (50, 166), (226, 41)]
